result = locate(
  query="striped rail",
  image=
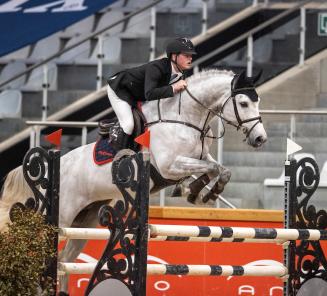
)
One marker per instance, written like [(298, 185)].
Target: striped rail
[(194, 270), (206, 234), (238, 232), (104, 234)]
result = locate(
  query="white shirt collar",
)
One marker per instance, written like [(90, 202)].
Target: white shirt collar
[(173, 71)]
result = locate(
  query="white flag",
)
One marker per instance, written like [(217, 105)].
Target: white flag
[(292, 147)]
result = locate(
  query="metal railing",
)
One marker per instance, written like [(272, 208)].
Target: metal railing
[(44, 63), (249, 37), (152, 6), (91, 36), (91, 123), (35, 134), (99, 34), (292, 132), (37, 127), (293, 114)]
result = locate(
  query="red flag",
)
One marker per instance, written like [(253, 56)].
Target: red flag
[(55, 138), (144, 139)]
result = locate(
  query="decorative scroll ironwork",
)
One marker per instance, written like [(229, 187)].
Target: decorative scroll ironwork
[(41, 170), (308, 259), (125, 259)]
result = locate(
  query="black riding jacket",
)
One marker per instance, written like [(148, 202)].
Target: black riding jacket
[(144, 83)]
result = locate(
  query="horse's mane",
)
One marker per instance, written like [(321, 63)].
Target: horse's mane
[(205, 74)]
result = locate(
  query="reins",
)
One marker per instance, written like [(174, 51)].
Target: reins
[(209, 109), (203, 132)]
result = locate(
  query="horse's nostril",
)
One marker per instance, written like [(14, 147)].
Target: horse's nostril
[(259, 140)]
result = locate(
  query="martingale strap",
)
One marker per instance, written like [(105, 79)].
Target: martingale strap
[(203, 132)]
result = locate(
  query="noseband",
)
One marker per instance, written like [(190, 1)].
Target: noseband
[(238, 118)]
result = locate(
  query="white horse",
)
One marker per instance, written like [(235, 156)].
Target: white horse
[(179, 148)]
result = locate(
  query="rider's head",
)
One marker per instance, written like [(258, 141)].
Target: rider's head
[(180, 52)]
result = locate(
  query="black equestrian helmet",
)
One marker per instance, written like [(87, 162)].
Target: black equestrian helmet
[(180, 45)]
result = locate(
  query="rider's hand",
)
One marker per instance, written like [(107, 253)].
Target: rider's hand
[(179, 86)]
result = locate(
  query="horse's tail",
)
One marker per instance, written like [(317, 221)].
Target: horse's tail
[(15, 189)]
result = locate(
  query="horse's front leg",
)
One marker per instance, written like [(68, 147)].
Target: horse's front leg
[(218, 187), (197, 185), (185, 166)]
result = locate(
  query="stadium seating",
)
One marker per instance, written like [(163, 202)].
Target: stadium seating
[(83, 27), (35, 79), (10, 104), (111, 50), (12, 69), (45, 48), (20, 54)]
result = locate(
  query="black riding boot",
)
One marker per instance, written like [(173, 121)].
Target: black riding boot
[(125, 140), (121, 140)]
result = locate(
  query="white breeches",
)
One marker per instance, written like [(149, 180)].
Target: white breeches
[(123, 111)]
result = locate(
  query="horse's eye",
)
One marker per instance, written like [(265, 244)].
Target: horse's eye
[(244, 104)]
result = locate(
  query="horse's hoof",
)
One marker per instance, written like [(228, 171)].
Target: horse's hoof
[(177, 191), (191, 198), (61, 293), (210, 196), (206, 198)]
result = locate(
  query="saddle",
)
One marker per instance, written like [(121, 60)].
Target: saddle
[(110, 130), (105, 152)]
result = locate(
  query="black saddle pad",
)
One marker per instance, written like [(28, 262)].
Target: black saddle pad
[(103, 152)]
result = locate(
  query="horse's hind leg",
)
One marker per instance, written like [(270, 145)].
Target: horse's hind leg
[(86, 218)]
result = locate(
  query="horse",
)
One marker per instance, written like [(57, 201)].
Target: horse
[(180, 141)]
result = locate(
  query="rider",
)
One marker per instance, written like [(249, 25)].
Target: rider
[(155, 80)]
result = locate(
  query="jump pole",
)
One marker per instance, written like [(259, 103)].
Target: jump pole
[(104, 234), (188, 270)]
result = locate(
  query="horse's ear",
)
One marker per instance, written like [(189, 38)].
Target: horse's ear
[(237, 79), (242, 76), (257, 77)]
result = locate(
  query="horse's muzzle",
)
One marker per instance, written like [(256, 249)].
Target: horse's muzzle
[(259, 141)]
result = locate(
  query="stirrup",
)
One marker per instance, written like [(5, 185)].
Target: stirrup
[(104, 127)]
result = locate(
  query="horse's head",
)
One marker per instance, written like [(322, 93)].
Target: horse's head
[(241, 109)]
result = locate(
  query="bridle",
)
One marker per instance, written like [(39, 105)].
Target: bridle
[(205, 129), (237, 115)]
